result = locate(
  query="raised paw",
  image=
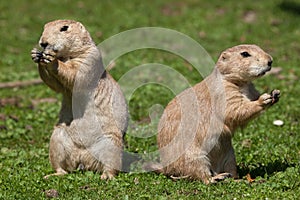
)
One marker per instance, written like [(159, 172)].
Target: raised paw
[(266, 99), (275, 96), (220, 177)]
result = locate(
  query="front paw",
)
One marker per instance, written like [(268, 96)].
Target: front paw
[(42, 57), (275, 96), (36, 55), (48, 57), (265, 99)]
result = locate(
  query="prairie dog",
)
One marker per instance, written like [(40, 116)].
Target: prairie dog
[(195, 130), (93, 117)]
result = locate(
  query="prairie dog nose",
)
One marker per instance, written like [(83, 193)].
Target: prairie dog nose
[(44, 44), (270, 63)]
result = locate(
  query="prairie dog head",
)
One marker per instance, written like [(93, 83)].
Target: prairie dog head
[(244, 63), (66, 38)]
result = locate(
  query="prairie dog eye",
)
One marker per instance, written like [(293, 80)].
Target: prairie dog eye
[(64, 28), (245, 54)]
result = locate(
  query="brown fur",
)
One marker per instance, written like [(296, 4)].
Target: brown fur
[(93, 116), (195, 130)]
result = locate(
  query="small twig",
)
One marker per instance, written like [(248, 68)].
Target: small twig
[(179, 177), (20, 83)]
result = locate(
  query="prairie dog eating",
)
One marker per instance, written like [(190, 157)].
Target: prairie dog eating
[(93, 116)]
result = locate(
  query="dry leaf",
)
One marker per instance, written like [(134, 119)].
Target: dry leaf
[(275, 70), (136, 181), (246, 143), (249, 179)]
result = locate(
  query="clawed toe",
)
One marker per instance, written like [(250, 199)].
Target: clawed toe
[(107, 175), (266, 99), (36, 55), (275, 96), (54, 174), (42, 57), (59, 172), (220, 177)]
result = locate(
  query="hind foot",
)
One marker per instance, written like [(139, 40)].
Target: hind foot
[(220, 177), (108, 174), (59, 172)]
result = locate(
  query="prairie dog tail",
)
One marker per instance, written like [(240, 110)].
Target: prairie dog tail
[(153, 166)]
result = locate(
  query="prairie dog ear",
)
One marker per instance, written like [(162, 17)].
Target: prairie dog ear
[(224, 56), (82, 28)]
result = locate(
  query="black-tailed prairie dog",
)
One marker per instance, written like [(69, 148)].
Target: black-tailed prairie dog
[(93, 116), (195, 130)]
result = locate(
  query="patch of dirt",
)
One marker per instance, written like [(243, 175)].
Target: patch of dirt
[(249, 17), (52, 193), (14, 117), (246, 143), (2, 117), (3, 127), (13, 101), (277, 72), (36, 102), (173, 9)]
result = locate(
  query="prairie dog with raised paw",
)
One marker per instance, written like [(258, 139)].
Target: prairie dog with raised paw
[(196, 128)]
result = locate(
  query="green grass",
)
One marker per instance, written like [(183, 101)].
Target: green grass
[(268, 153)]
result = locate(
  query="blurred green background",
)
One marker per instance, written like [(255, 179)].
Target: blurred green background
[(268, 153)]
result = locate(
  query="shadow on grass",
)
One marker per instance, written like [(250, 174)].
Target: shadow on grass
[(290, 6), (127, 159), (261, 170)]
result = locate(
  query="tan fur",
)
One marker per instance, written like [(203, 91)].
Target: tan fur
[(70, 64), (195, 130)]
